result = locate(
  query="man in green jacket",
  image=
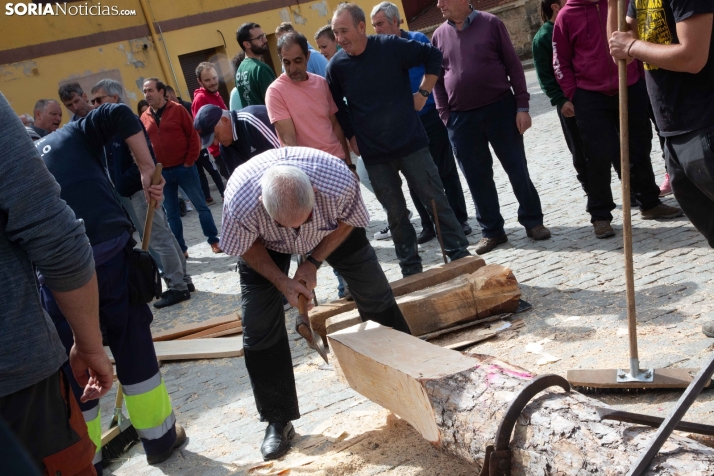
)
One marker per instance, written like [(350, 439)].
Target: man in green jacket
[(543, 61), (253, 76)]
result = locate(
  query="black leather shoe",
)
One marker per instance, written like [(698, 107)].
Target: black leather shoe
[(277, 440), (191, 287), (171, 297), (425, 236), (466, 228)]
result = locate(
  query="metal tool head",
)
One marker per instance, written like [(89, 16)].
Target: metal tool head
[(304, 328)]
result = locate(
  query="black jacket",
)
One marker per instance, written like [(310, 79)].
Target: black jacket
[(255, 135)]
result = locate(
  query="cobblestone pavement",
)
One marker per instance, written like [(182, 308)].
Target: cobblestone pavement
[(574, 281)]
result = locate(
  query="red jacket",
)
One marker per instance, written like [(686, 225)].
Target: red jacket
[(201, 97), (581, 54), (174, 139)]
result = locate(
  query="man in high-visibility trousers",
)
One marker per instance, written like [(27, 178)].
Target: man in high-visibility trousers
[(74, 155)]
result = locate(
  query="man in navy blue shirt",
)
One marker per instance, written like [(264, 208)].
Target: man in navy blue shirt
[(369, 81), (75, 156), (385, 20)]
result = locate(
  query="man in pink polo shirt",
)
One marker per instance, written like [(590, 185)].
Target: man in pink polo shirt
[(300, 104)]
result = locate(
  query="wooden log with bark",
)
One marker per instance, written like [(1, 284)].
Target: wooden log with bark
[(490, 290), (456, 401), (431, 277)]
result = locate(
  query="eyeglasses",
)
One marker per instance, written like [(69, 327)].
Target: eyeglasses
[(259, 37), (98, 99)]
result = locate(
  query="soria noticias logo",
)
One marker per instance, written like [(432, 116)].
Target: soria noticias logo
[(57, 9)]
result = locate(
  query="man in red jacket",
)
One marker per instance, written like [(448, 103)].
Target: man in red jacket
[(176, 145), (207, 77), (588, 76)]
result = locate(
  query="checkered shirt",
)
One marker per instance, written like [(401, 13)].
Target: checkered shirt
[(337, 199)]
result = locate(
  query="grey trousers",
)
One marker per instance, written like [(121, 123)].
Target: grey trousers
[(163, 243)]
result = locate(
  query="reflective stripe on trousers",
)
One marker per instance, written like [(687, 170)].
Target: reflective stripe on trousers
[(94, 427), (149, 407)]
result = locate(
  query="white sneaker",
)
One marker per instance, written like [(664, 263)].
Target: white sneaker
[(384, 234), (189, 208)]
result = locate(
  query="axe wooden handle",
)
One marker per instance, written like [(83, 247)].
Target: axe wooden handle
[(156, 179)]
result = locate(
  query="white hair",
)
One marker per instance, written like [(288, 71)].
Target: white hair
[(111, 88), (390, 11), (286, 192)]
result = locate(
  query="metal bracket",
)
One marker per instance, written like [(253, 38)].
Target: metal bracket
[(643, 376), (498, 457)]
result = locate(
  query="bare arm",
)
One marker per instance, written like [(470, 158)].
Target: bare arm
[(337, 129), (142, 157), (427, 84), (81, 308), (286, 132), (258, 258), (307, 270)]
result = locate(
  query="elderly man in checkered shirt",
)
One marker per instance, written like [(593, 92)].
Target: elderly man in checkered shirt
[(295, 200)]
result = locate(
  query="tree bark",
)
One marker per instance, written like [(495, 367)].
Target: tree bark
[(457, 401)]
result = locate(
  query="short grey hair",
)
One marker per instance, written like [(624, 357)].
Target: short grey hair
[(27, 117), (355, 12), (111, 87), (42, 104), (390, 11), (286, 192)]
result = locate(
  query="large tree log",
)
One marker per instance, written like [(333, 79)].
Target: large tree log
[(490, 290), (400, 287), (457, 401)]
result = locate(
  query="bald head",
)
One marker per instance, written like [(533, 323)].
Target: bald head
[(287, 195)]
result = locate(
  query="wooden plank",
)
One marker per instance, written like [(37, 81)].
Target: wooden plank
[(607, 378), (430, 277), (492, 289), (186, 329), (458, 401), (196, 349), (227, 332), (231, 326)]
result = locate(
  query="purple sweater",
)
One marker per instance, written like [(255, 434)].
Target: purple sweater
[(480, 66)]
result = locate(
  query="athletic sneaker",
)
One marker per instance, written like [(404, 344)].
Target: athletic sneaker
[(666, 187), (189, 208)]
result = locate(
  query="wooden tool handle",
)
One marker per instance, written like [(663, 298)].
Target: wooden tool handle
[(155, 180), (302, 301), (438, 231)]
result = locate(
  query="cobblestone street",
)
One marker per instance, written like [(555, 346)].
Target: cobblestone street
[(574, 281)]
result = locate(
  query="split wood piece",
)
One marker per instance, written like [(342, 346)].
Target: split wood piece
[(457, 401), (607, 378), (431, 277), (234, 327), (492, 289), (187, 329), (196, 349), (483, 334)]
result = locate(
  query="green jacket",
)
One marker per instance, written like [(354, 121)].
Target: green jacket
[(252, 80), (543, 61)]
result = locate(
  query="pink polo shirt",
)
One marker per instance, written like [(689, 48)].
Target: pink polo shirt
[(309, 104)]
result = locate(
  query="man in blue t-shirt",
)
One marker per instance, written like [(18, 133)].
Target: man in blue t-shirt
[(382, 125), (385, 20)]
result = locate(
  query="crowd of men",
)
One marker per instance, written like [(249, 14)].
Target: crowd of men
[(293, 149)]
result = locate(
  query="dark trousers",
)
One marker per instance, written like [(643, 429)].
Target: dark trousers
[(575, 146), (440, 150), (128, 334), (203, 164), (46, 420), (423, 178), (265, 339), (470, 133), (597, 115), (690, 163)]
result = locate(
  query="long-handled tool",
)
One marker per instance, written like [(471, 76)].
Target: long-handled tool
[(438, 231), (121, 434), (636, 377), (303, 327)]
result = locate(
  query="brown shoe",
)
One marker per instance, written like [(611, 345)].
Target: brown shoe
[(538, 233), (662, 211), (487, 244), (216, 248), (160, 458), (603, 229)]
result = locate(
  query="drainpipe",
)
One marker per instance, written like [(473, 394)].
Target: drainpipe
[(150, 23)]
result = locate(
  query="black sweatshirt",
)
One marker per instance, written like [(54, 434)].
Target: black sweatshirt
[(376, 86)]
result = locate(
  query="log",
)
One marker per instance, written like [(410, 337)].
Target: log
[(431, 277), (216, 331), (456, 401), (490, 290), (187, 329)]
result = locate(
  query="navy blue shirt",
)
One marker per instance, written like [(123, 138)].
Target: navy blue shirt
[(253, 134), (416, 74), (122, 168), (376, 86), (74, 155)]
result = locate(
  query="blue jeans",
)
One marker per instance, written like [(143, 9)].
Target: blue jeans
[(187, 178), (470, 133)]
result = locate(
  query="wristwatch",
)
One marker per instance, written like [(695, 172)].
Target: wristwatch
[(424, 93), (312, 260), (352, 166)]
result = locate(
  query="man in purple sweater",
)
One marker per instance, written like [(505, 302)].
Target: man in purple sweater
[(588, 76), (480, 105)]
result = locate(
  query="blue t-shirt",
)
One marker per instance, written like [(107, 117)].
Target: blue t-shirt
[(416, 74)]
